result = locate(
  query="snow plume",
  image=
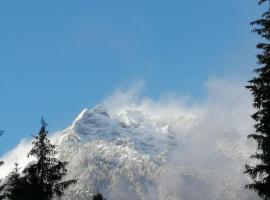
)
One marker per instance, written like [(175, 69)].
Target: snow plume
[(208, 162), (166, 149), (227, 104)]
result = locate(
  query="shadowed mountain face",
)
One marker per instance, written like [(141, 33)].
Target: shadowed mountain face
[(135, 156)]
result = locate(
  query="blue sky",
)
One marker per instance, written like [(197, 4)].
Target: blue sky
[(58, 57)]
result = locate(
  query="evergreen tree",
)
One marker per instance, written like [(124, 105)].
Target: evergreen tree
[(13, 189), (43, 179), (260, 89), (98, 196)]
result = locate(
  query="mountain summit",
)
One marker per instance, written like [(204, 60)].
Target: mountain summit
[(120, 157), (137, 157)]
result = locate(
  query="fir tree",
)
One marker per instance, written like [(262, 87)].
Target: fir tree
[(98, 196), (260, 89), (44, 178), (13, 189)]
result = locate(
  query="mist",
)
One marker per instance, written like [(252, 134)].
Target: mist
[(208, 162)]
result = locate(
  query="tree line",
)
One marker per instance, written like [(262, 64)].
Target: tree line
[(42, 179)]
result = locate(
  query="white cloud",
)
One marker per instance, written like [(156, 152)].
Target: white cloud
[(18, 154)]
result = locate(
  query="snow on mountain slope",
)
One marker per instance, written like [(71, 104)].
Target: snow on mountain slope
[(109, 155), (132, 156)]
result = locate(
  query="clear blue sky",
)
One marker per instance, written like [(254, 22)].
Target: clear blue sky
[(58, 57)]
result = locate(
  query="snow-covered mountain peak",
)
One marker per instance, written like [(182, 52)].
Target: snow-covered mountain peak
[(90, 120), (86, 114), (127, 147), (133, 127), (132, 154)]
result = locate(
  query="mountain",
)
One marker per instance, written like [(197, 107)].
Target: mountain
[(133, 155)]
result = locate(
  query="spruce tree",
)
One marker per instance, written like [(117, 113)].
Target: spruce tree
[(43, 179), (13, 188), (260, 89)]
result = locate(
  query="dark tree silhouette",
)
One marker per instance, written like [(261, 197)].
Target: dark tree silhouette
[(43, 179), (13, 188), (260, 89), (1, 163), (98, 196)]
